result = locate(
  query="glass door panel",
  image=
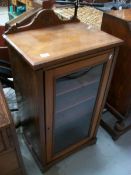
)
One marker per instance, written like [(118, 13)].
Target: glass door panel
[(75, 99)]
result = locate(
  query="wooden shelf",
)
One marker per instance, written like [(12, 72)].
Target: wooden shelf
[(84, 108), (67, 106), (66, 85), (76, 91)]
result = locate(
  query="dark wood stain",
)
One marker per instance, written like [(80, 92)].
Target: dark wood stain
[(118, 24)]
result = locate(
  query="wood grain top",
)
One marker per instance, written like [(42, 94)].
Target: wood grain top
[(42, 46), (124, 14), (4, 116)]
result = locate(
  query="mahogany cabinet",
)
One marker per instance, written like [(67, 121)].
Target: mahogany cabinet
[(118, 23), (62, 72), (10, 156)]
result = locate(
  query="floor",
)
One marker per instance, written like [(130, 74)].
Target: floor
[(106, 157)]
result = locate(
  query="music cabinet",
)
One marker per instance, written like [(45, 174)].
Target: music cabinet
[(118, 23), (61, 72), (10, 156)]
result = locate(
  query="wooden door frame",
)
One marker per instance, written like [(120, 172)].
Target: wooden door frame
[(51, 76)]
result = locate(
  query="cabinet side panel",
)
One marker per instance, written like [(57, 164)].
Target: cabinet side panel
[(27, 92), (120, 91)]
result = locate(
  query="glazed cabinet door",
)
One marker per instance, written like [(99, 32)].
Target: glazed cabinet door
[(73, 97)]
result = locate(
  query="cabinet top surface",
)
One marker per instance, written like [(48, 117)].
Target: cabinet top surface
[(42, 46), (4, 116), (124, 14)]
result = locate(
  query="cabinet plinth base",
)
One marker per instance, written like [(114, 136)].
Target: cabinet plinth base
[(118, 125)]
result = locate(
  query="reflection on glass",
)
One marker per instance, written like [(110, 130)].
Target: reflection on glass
[(75, 99)]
